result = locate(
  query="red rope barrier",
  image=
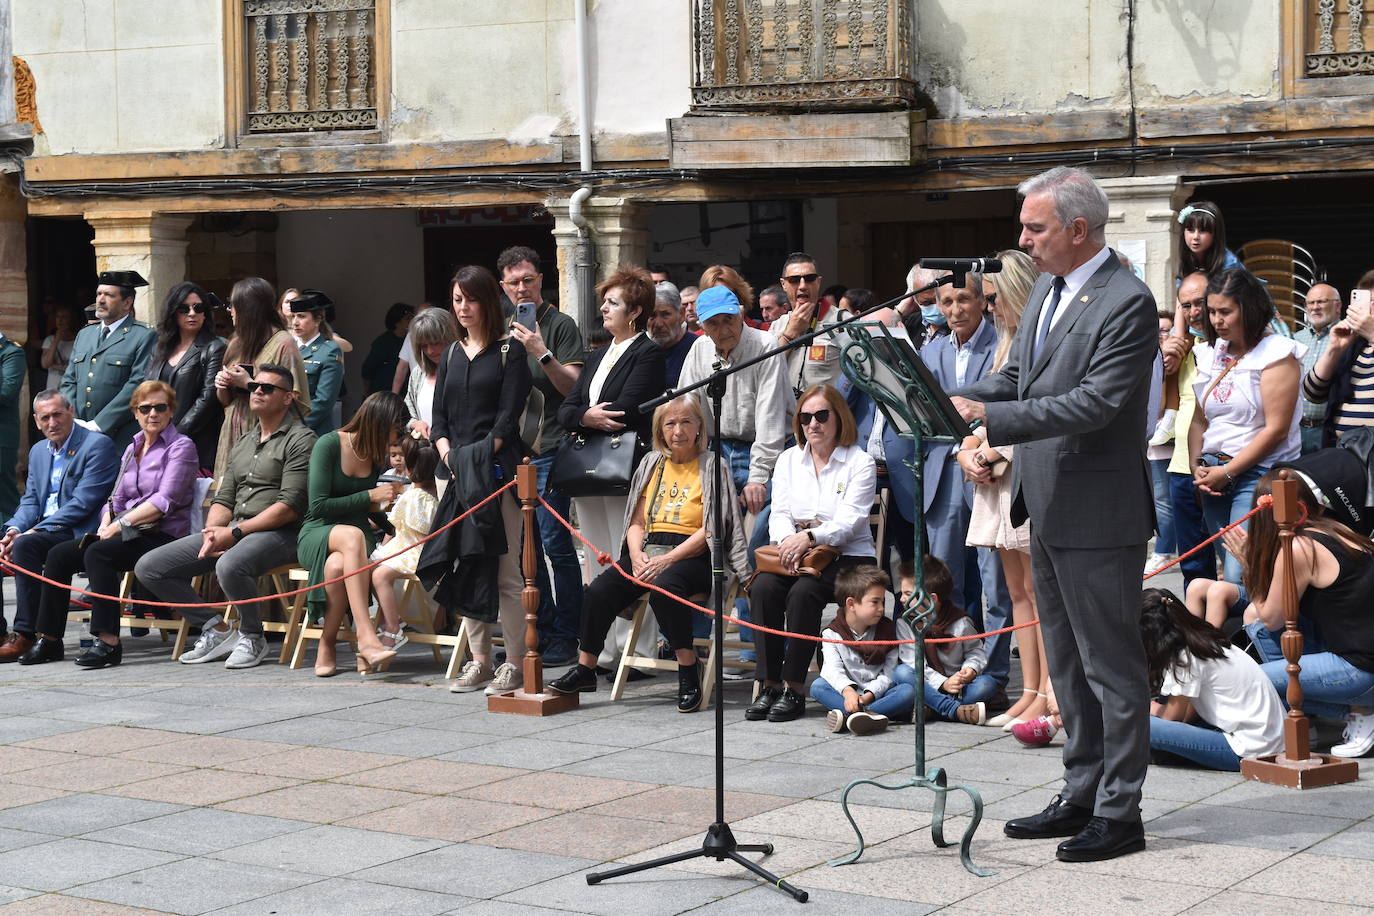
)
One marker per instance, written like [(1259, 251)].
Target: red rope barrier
[(13, 569)]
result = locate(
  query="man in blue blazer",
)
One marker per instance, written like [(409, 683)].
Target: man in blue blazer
[(71, 474), (956, 359)]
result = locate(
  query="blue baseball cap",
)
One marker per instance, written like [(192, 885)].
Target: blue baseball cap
[(716, 300)]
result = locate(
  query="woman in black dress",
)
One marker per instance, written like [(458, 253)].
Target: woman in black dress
[(479, 394), (187, 356)]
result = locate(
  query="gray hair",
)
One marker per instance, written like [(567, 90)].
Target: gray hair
[(777, 292), (920, 276), (1076, 195), (972, 280), (52, 394), (667, 293)]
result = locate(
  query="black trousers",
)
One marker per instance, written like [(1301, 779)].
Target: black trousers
[(104, 561), (793, 604), (610, 593), (30, 551)]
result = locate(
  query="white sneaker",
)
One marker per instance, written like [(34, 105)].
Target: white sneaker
[(248, 652), (834, 720), (1158, 561), (212, 644), (508, 677), (1359, 735), (472, 677)]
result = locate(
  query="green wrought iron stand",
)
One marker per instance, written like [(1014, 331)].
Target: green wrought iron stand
[(887, 369)]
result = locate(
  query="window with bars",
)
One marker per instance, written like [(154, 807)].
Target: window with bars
[(309, 65)]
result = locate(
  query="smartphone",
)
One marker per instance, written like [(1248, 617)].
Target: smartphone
[(247, 367), (524, 314), (393, 477), (1359, 297)]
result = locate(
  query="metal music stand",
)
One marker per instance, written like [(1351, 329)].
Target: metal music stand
[(886, 368)]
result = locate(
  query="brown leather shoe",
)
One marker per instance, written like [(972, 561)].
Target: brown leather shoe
[(15, 645)]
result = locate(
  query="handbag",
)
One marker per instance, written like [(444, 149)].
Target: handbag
[(594, 464), (813, 562)]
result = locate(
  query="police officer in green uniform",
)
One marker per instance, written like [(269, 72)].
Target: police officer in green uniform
[(324, 367), (109, 359), (13, 366)]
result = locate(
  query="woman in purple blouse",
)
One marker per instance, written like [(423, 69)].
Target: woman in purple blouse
[(150, 506)]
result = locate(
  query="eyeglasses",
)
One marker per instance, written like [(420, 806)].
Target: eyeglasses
[(263, 388), (801, 278), (990, 298), (146, 409), (1323, 302), (820, 416), (1195, 304), (191, 309), (521, 281)]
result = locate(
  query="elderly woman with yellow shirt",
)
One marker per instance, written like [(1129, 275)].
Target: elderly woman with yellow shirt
[(672, 497)]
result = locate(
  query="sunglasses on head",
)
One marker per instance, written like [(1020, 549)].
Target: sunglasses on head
[(263, 388), (820, 416), (191, 309), (799, 278), (146, 409)]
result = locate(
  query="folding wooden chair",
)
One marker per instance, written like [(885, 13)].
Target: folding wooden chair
[(629, 660)]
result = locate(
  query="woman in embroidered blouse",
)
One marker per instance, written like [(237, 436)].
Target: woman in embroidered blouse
[(150, 506), (1247, 387), (822, 494)]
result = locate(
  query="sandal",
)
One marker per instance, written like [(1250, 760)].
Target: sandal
[(398, 639)]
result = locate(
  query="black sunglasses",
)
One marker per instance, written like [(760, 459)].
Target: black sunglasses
[(188, 309), (990, 298), (820, 416), (146, 409), (808, 278), (263, 388)]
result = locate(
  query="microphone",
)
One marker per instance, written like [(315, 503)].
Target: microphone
[(963, 265)]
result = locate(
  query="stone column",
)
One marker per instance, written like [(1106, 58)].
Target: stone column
[(1144, 209), (620, 235), (14, 282), (154, 244)]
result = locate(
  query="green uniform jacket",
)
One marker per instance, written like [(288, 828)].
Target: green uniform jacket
[(324, 370), (101, 378), (14, 365)]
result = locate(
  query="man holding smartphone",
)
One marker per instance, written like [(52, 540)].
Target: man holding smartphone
[(1349, 357), (554, 346)]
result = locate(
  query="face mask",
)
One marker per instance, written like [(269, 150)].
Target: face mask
[(931, 314)]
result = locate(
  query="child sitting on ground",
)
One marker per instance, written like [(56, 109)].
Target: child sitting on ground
[(412, 516), (955, 688), (865, 687)]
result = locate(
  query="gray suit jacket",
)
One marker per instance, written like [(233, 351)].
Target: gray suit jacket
[(1081, 476)]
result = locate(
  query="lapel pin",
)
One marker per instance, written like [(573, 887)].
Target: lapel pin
[(1084, 299), (71, 453)]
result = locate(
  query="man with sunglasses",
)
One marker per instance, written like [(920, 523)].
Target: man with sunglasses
[(817, 363), (109, 359), (250, 527)]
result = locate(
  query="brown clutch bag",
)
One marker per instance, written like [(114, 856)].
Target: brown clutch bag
[(814, 562)]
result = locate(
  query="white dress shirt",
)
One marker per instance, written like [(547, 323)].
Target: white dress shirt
[(840, 497), (1074, 281), (613, 353)]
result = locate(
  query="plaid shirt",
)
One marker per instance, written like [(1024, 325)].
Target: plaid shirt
[(1316, 342)]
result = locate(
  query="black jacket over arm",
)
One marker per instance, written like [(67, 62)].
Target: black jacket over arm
[(199, 413), (636, 377)]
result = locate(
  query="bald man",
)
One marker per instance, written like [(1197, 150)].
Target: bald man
[(1323, 310)]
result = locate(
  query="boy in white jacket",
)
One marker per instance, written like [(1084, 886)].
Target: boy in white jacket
[(864, 687)]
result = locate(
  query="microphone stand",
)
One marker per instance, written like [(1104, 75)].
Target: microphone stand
[(720, 843)]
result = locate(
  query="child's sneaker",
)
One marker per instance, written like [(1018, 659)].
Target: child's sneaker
[(1035, 733), (972, 713), (866, 723), (834, 720)]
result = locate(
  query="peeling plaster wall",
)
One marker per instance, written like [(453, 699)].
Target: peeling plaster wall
[(122, 76)]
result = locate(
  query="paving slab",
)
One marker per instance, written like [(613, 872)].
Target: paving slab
[(359, 898), (65, 863), (197, 831), (73, 815), (328, 850), (476, 871), (193, 886)]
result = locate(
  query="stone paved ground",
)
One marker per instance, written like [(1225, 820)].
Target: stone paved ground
[(166, 788)]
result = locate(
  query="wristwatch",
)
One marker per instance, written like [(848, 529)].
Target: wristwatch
[(124, 522), (546, 358), (237, 532)]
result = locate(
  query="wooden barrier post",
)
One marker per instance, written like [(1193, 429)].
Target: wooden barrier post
[(1297, 767), (529, 700)]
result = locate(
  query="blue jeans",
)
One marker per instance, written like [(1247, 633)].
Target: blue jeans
[(946, 705), (896, 703), (560, 607), (1231, 506), (1267, 646), (1330, 684), (1189, 530), (1166, 542), (1205, 746)]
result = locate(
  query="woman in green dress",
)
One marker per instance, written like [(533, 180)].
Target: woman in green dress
[(336, 538)]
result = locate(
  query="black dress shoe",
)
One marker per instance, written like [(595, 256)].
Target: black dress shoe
[(101, 655), (1103, 838), (1060, 818), (762, 704), (790, 705), (577, 679), (44, 649), (689, 687)]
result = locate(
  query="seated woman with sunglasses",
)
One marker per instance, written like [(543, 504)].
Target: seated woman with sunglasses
[(150, 506), (822, 495), (188, 356)]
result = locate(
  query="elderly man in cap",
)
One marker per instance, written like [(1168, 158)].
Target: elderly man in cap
[(71, 473), (311, 312), (109, 359)]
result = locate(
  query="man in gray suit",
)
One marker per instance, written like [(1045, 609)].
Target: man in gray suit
[(1073, 399)]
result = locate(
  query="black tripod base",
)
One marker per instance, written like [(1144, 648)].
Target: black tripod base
[(719, 845)]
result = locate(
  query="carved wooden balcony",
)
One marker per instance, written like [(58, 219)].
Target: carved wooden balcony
[(791, 54), (1336, 39), (309, 65)]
